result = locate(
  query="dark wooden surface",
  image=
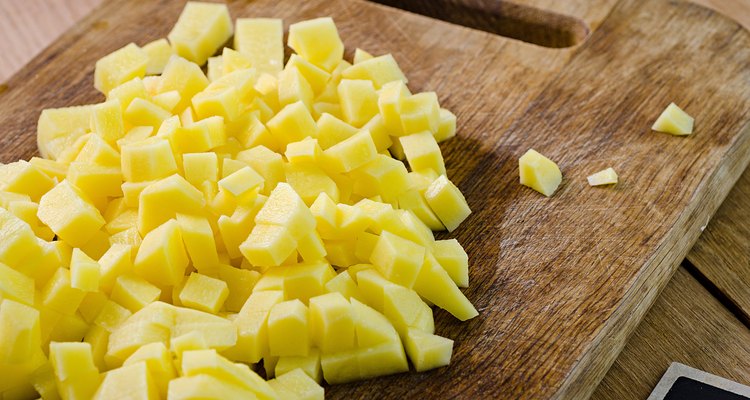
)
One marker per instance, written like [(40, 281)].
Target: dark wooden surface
[(561, 282)]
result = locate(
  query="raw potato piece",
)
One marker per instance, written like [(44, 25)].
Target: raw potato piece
[(675, 121), (604, 177), (201, 29), (539, 173)]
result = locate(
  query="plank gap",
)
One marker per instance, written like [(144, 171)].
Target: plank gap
[(511, 20), (725, 300)]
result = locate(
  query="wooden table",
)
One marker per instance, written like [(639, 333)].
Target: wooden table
[(702, 315)]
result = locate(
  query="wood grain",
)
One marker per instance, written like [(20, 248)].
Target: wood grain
[(688, 325), (560, 282), (29, 26)]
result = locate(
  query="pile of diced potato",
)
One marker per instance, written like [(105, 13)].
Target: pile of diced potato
[(196, 226)]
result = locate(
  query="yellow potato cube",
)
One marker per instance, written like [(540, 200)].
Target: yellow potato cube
[(404, 308), (200, 167), (204, 135), (359, 101), (119, 67), (164, 199), (372, 285), (218, 332), (235, 229), (188, 342), (405, 224), (132, 381), (422, 152), (215, 68), (158, 362), (167, 100), (162, 258), (145, 113), (240, 283), (539, 173), (126, 92), (340, 367), (199, 242), (232, 60), (51, 168), (447, 202), (185, 77), (305, 281), (147, 160), (311, 248), (204, 293), (59, 128), (306, 151), (398, 259), (129, 237), (332, 130), (286, 208), (77, 376), (379, 70), (309, 181), (324, 211), (604, 177), (58, 294), (107, 120), (316, 77), (112, 314), (351, 153), (204, 386), (361, 55), (24, 178), (242, 182), (223, 102), (201, 29), (16, 286), (134, 293), (420, 112), (208, 362), (116, 261), (129, 337), (20, 332), (293, 87), (262, 41), (414, 201), (70, 152), (675, 121), (379, 132), (309, 364), (453, 258), (268, 245), (382, 176), (296, 384), (317, 41), (287, 329), (384, 359), (159, 51), (435, 285), (97, 183), (252, 328), (292, 124), (372, 328), (446, 127), (331, 323), (427, 351), (389, 105), (84, 272)]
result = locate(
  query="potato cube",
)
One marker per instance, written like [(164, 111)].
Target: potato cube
[(204, 135), (77, 376), (84, 272), (185, 77), (268, 245), (317, 41), (24, 178), (58, 294), (20, 332), (331, 323), (292, 124), (340, 253), (309, 364), (382, 176), (316, 77), (296, 384), (420, 112), (351, 153), (132, 381), (159, 362), (404, 308), (97, 182), (218, 332), (359, 101), (332, 130), (427, 351), (112, 314), (414, 201), (208, 362), (389, 105), (453, 258), (130, 336), (293, 87), (340, 367), (398, 259), (200, 167), (69, 215), (204, 386), (51, 168), (422, 152), (379, 70), (134, 293), (360, 56), (204, 293), (261, 40), (604, 177), (539, 173), (235, 229), (285, 208), (59, 128), (287, 329), (242, 182), (159, 51), (162, 258), (435, 285), (675, 121), (164, 199), (252, 328), (372, 328), (309, 181), (199, 242), (379, 132), (201, 29), (148, 160), (305, 281), (447, 202), (142, 112), (127, 92), (240, 283), (446, 127), (267, 163), (384, 359), (119, 67), (223, 102), (107, 120), (311, 248), (306, 151), (116, 261), (16, 286)]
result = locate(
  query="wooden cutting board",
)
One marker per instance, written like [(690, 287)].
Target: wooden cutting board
[(561, 282)]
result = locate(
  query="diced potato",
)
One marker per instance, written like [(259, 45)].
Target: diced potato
[(240, 282), (164, 199), (204, 386), (59, 295), (317, 40), (292, 124), (447, 126), (351, 153), (293, 87), (184, 77), (147, 160), (200, 167), (261, 40), (359, 101), (447, 202), (119, 67), (604, 177), (76, 374), (159, 51), (331, 323), (134, 293), (161, 258), (398, 259), (112, 315), (59, 128), (204, 293), (675, 121), (422, 152), (252, 329), (309, 364), (20, 332), (379, 70), (134, 379), (420, 112), (159, 363), (539, 173), (201, 30), (427, 351), (199, 241), (453, 258), (84, 272), (434, 284), (297, 385), (288, 329)]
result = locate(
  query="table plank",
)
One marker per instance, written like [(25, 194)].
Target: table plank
[(28, 26), (686, 324)]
